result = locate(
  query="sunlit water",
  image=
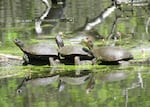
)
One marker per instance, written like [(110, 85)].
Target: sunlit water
[(96, 86)]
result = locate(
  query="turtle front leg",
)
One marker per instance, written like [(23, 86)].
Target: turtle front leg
[(26, 59), (51, 61), (94, 61), (77, 60)]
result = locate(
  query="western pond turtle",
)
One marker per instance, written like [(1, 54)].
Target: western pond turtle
[(37, 53), (72, 54), (108, 54)]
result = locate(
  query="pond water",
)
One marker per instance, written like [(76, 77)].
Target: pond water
[(69, 85), (109, 86)]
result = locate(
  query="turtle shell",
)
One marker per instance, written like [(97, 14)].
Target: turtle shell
[(40, 49), (37, 49), (108, 53), (37, 54), (73, 50)]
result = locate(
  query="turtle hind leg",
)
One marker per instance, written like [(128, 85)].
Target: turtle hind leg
[(51, 61), (77, 60)]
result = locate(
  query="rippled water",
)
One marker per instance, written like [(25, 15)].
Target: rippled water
[(96, 85)]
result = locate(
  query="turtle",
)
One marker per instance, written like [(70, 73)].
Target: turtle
[(108, 54), (70, 53), (38, 53)]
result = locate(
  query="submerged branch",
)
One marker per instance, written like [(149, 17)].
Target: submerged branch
[(103, 16), (147, 25), (113, 30), (9, 56)]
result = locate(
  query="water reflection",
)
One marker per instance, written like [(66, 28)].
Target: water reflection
[(63, 79), (136, 84), (51, 15), (38, 22), (103, 88), (36, 81), (73, 79), (114, 76)]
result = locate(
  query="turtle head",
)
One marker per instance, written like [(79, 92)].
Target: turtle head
[(59, 40), (88, 42), (19, 43)]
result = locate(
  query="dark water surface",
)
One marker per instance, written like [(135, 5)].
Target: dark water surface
[(95, 86)]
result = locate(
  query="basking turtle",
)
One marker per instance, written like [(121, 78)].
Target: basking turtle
[(108, 54), (72, 53), (38, 53)]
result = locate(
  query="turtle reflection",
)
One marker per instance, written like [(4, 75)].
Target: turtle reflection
[(114, 76), (37, 81), (62, 78), (70, 78)]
